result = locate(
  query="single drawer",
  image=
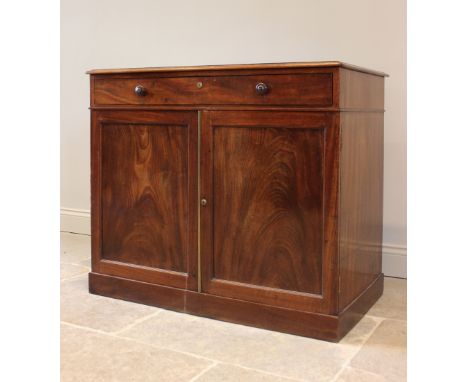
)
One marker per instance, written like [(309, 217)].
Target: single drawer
[(314, 89)]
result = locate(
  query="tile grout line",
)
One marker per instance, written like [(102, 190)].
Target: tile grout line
[(387, 318), (215, 363), (366, 371), (263, 372), (341, 371), (209, 367), (136, 322), (75, 276), (77, 264), (85, 328), (366, 338), (110, 334)]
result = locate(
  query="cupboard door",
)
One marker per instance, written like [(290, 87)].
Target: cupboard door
[(269, 222), (144, 175)]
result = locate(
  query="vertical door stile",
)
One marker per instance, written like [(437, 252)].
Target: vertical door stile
[(199, 276), (206, 200)]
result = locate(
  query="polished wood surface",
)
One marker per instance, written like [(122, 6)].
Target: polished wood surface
[(211, 198), (144, 194), (308, 324), (271, 317), (361, 202), (145, 189), (361, 91), (235, 67), (270, 171), (359, 306), (279, 199), (296, 89)]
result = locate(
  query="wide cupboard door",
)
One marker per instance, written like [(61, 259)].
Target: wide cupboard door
[(268, 207), (144, 187)]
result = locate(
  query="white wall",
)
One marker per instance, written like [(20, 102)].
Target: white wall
[(122, 33)]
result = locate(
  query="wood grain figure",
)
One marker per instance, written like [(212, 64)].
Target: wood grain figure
[(246, 193)]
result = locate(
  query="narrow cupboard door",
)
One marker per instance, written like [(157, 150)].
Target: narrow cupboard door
[(144, 180), (268, 207)]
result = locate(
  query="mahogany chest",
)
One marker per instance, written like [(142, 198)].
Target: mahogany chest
[(246, 193)]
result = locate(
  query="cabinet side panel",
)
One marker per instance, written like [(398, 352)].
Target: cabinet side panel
[(361, 202), (361, 90)]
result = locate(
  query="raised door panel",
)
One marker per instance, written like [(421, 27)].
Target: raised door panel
[(264, 229), (268, 195), (146, 164)]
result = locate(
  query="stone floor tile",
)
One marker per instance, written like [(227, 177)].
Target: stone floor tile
[(392, 304), (77, 257), (230, 373), (70, 241), (79, 307), (71, 270), (88, 356), (91, 356), (74, 248), (384, 353), (359, 334), (85, 263), (277, 353), (355, 375)]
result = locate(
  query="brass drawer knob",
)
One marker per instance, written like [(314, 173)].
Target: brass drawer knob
[(262, 88), (140, 91), (203, 202)]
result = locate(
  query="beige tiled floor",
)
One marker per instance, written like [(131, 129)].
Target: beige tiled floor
[(103, 339)]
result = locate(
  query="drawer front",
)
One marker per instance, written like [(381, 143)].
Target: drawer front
[(286, 89)]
